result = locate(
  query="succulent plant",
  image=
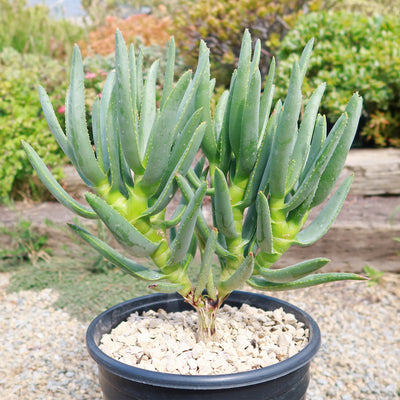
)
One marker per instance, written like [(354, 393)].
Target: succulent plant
[(263, 170)]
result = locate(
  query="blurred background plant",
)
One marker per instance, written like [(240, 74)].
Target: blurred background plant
[(145, 29), (21, 117), (32, 30), (375, 275), (25, 243), (371, 50), (221, 24), (35, 46), (368, 7), (395, 213)]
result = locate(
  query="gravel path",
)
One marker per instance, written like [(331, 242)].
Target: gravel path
[(43, 354)]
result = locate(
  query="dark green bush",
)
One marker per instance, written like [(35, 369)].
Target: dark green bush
[(221, 24), (31, 30), (21, 118), (353, 52)]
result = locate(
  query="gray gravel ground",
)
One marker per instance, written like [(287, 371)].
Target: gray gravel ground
[(43, 354)]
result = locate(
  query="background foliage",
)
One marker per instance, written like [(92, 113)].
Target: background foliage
[(353, 52), (21, 118), (32, 30), (221, 24), (369, 7)]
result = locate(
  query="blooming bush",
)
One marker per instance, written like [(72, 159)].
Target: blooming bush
[(139, 28)]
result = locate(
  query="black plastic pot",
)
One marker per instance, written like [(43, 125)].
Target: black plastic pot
[(287, 380)]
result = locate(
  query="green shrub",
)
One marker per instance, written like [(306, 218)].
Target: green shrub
[(221, 24), (32, 30), (21, 118), (353, 52), (25, 243)]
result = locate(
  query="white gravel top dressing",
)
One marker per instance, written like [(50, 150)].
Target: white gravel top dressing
[(43, 354), (248, 338), (44, 357)]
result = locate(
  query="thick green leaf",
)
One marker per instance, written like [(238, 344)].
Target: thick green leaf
[(294, 272), (127, 265), (127, 116), (203, 101), (238, 278), (176, 217), (285, 134), (223, 207), (220, 113), (266, 99), (264, 227), (148, 108), (335, 165), (224, 145), (163, 199), (188, 104), (239, 94), (109, 140), (135, 99), (192, 148), (312, 180), (302, 146), (206, 262), (53, 186), (54, 125), (250, 120), (169, 188), (169, 73), (198, 168), (166, 287), (100, 145), (259, 175), (320, 225), (126, 234), (139, 77), (162, 136), (317, 143), (195, 182), (85, 159), (181, 148), (299, 215), (201, 225), (310, 280), (126, 173), (185, 232), (305, 58), (250, 223), (255, 62)]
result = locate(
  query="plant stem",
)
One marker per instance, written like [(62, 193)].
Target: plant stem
[(206, 323), (207, 310)]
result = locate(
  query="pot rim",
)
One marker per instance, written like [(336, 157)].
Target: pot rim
[(205, 382)]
